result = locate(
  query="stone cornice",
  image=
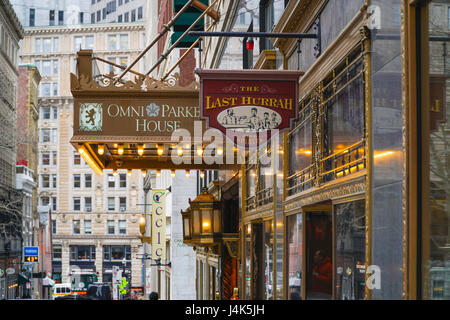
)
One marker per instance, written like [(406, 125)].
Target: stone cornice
[(111, 27), (12, 17)]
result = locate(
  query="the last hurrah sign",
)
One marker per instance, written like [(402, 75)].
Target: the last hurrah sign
[(248, 101)]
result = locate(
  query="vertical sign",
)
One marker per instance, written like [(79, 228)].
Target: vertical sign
[(159, 224)]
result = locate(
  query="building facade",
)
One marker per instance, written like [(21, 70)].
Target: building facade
[(120, 11), (94, 218), (11, 32), (52, 13), (352, 204)]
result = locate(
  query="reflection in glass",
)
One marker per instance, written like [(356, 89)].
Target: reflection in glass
[(268, 260), (247, 259), (350, 250), (319, 267), (294, 256), (436, 281)]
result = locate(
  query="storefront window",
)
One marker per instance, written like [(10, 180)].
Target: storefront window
[(350, 250), (294, 256), (268, 260), (436, 279), (319, 268), (247, 261), (251, 186), (300, 159)]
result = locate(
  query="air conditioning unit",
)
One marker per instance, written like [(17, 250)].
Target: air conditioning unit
[(88, 208), (123, 209)]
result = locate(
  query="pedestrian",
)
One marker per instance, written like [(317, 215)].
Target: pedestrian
[(153, 296)]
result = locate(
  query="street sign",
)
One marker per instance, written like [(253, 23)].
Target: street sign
[(31, 254)]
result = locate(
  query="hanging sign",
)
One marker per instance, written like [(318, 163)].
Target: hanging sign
[(240, 102), (159, 224)]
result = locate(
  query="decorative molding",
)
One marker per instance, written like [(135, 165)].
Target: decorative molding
[(30, 31), (330, 191), (106, 83)]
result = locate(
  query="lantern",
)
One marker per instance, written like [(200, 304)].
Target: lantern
[(205, 219), (187, 225)]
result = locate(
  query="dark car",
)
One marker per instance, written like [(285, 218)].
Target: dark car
[(99, 291)]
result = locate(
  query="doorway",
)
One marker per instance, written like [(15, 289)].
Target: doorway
[(319, 244)]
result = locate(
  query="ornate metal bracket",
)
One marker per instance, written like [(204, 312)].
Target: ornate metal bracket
[(231, 242)]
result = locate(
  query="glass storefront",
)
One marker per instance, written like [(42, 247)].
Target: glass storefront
[(318, 255), (268, 260), (294, 248), (350, 233), (436, 214)]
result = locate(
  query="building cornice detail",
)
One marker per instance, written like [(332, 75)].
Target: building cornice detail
[(83, 29)]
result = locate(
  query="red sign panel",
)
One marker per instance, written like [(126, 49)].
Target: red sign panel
[(248, 101)]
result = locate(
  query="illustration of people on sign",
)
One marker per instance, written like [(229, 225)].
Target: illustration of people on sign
[(254, 122), (274, 123), (229, 118), (248, 120)]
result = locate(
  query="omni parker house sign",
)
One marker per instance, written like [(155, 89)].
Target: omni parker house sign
[(131, 124)]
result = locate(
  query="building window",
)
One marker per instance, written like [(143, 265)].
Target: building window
[(77, 43), (57, 251), (54, 158), (54, 204), (60, 18), (75, 226), (140, 13), (53, 229), (111, 203), (32, 17), (122, 227), (123, 180), (45, 158), (110, 226), (77, 181), (45, 113), (45, 89), (99, 16), (52, 18), (87, 227), (45, 135), (55, 113), (88, 180), (82, 253), (76, 158), (45, 181), (111, 181), (120, 18), (76, 204), (123, 204), (89, 42), (47, 45), (92, 18), (133, 15), (37, 45), (55, 44), (81, 15), (88, 204), (126, 17), (116, 253), (54, 181)]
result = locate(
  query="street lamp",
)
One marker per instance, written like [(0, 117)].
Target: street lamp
[(187, 225), (203, 223)]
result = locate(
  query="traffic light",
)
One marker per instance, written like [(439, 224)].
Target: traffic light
[(185, 21)]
